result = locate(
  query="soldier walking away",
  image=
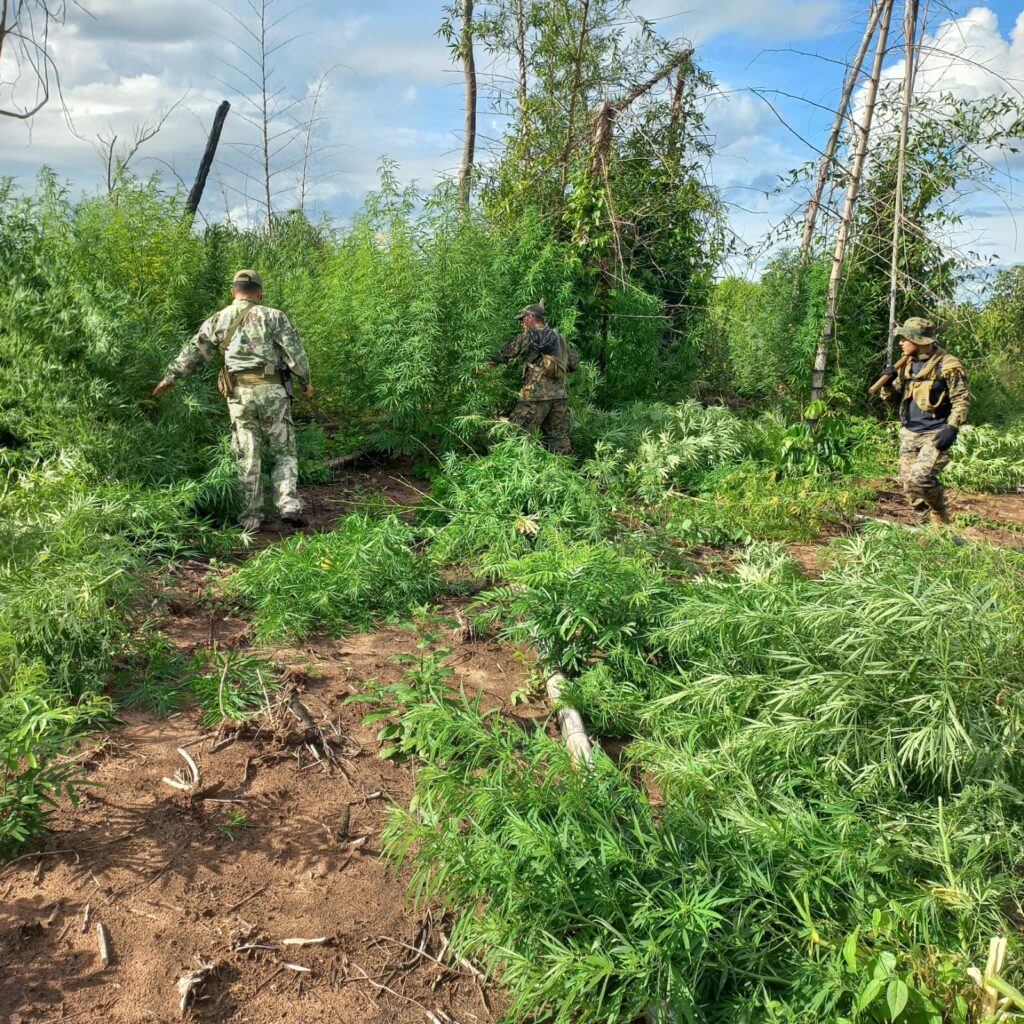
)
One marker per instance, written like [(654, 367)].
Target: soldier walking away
[(929, 386), (261, 351), (547, 361)]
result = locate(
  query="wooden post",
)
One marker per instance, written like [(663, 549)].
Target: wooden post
[(196, 195), (469, 70), (850, 202), (828, 157), (909, 34)]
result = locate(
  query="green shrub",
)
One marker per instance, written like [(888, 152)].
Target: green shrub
[(363, 569), (575, 600), (738, 503), (835, 767), (516, 498), (987, 459), (37, 726)]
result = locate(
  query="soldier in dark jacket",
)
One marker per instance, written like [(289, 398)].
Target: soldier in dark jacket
[(547, 361), (933, 398)]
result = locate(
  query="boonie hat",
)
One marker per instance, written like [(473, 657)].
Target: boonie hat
[(247, 277), (536, 310), (916, 328)]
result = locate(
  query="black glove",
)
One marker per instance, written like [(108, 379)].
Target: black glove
[(889, 371), (945, 437)]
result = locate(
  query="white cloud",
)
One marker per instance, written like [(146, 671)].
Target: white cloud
[(969, 58), (124, 65), (765, 21)]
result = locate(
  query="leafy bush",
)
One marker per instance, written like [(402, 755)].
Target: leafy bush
[(336, 581), (312, 451), (836, 763), (224, 685), (514, 499), (36, 727), (649, 449), (739, 503), (987, 459), (575, 600)]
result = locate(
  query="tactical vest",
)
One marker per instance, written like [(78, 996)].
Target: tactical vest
[(928, 387)]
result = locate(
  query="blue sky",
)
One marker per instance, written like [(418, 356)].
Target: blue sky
[(392, 91)]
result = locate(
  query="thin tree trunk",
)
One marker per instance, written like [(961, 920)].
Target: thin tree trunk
[(576, 75), (469, 70), (828, 157), (196, 195), (850, 202), (909, 37), (265, 116), (524, 117), (676, 114)]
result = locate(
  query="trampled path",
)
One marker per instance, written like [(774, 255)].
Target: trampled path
[(176, 886)]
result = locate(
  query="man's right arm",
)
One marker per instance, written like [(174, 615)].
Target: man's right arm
[(511, 350), (893, 391), (194, 356)]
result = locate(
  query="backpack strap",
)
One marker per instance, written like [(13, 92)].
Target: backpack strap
[(235, 324)]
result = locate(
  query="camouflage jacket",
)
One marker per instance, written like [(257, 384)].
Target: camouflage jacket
[(939, 391), (547, 360), (265, 339)]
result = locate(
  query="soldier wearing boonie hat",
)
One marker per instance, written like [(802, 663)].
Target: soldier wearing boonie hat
[(258, 344), (547, 361), (930, 389)]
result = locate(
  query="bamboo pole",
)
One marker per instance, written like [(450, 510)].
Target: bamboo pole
[(828, 157), (850, 202), (909, 39)]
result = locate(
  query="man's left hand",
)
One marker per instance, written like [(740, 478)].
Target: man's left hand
[(945, 437), (307, 391), (163, 387)]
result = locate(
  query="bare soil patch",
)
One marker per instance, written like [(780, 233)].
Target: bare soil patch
[(177, 885)]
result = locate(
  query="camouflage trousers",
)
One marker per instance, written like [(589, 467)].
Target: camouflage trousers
[(920, 465), (261, 420), (551, 418)]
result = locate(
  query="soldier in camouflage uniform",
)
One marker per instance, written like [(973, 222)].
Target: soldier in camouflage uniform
[(547, 360), (933, 398), (256, 341)]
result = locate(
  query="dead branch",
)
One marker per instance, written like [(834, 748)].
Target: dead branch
[(849, 204), (189, 985), (179, 783)]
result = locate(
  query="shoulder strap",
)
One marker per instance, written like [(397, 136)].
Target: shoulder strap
[(235, 324), (934, 365)]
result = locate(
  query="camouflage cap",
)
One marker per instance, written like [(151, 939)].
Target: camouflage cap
[(247, 277), (916, 328), (536, 310)]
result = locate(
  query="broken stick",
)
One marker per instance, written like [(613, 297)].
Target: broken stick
[(103, 939)]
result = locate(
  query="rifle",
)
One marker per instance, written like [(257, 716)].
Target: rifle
[(286, 380), (887, 377)]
